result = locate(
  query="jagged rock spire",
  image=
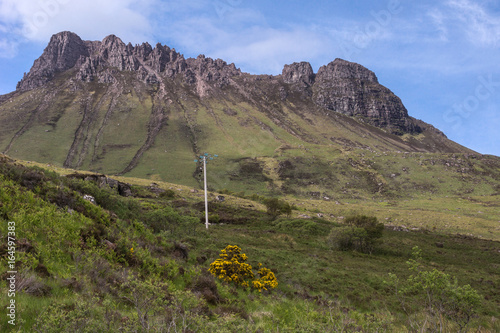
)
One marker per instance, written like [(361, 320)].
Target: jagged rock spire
[(62, 53)]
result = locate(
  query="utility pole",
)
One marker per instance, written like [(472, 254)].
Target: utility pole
[(205, 181), (204, 157)]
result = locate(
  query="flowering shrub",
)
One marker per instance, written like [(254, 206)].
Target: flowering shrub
[(231, 268), (267, 279)]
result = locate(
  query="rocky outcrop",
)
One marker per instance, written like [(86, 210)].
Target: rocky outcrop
[(341, 69), (298, 72), (210, 70), (353, 90), (123, 189), (63, 52), (97, 61)]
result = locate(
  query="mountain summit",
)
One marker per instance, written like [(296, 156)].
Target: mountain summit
[(148, 111)]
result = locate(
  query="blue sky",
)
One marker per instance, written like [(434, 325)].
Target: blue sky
[(442, 58)]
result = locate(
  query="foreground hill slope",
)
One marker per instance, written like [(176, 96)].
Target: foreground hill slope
[(142, 111), (90, 259)]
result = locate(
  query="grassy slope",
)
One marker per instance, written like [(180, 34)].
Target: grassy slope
[(319, 289), (239, 123)]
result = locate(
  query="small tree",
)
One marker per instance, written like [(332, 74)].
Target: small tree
[(347, 238)]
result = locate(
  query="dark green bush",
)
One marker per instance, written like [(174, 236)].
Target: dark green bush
[(225, 191), (362, 233), (347, 238), (276, 207), (168, 194), (373, 228), (212, 218)]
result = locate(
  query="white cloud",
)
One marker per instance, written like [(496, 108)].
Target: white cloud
[(452, 38), (267, 50), (36, 21), (242, 36), (256, 45), (226, 29)]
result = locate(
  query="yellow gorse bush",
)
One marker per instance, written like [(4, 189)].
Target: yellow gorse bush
[(267, 279), (231, 268)]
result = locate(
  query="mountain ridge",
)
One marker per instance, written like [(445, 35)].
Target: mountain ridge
[(96, 60)]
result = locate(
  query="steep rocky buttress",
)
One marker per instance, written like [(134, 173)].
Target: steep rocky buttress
[(353, 90)]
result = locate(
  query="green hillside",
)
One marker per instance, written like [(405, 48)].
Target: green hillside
[(139, 263), (266, 146)]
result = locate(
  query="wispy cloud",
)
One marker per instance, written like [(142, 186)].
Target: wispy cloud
[(438, 18), (36, 21), (479, 25), (8, 48), (243, 36), (466, 20), (266, 50)]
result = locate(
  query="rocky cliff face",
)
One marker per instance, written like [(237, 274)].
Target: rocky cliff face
[(353, 90), (340, 86), (62, 53), (95, 61), (301, 72)]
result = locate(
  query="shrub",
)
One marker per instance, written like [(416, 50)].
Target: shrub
[(276, 207), (32, 178), (231, 268), (206, 286), (437, 295), (267, 279), (212, 219), (361, 234), (168, 194), (373, 228), (225, 191), (347, 238)]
